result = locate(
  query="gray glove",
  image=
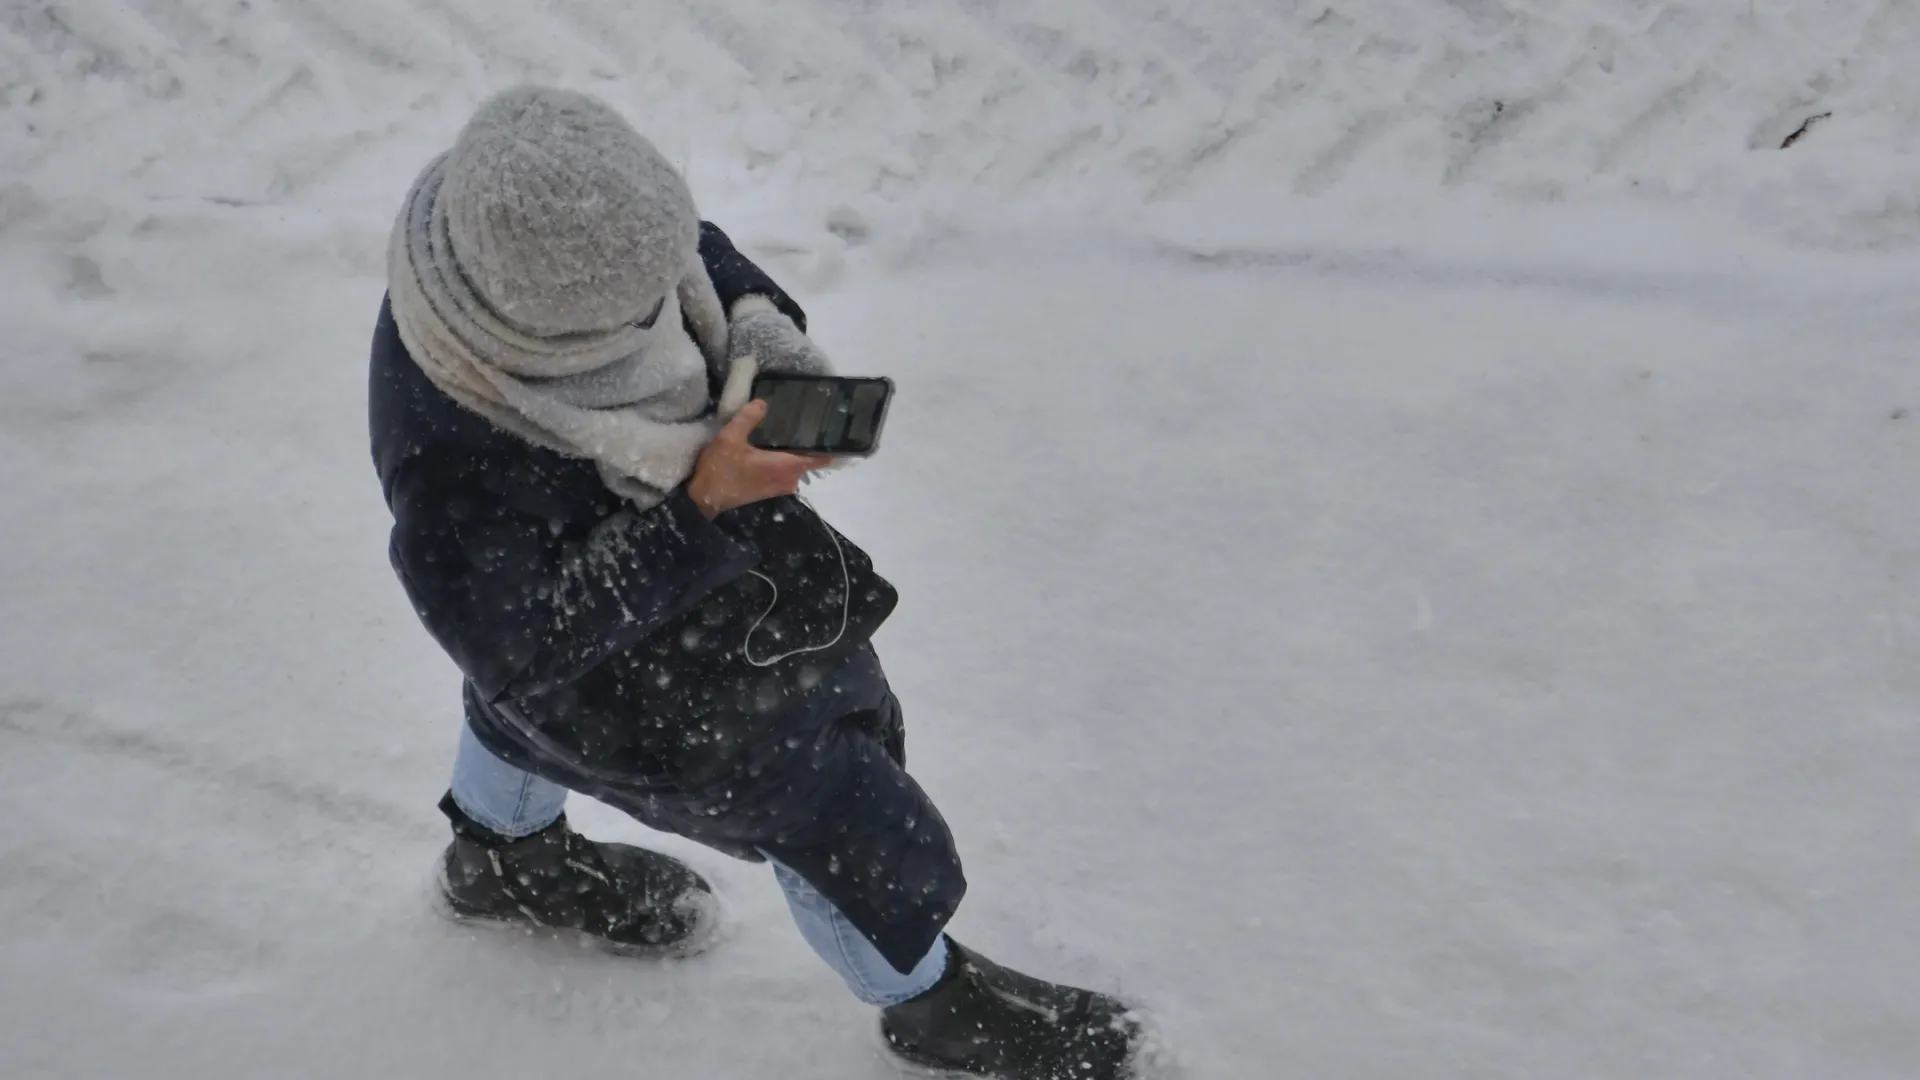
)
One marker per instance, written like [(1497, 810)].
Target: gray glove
[(776, 344)]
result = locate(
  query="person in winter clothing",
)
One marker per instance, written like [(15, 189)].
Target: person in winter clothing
[(641, 607)]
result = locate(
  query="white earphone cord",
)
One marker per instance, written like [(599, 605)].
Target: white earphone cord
[(846, 608)]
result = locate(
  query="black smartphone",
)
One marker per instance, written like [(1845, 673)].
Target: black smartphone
[(821, 414)]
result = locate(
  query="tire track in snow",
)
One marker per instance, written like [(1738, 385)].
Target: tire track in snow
[(1667, 108), (966, 102), (34, 720), (186, 32), (47, 30), (490, 46), (1144, 104), (319, 19), (1328, 167), (594, 30)]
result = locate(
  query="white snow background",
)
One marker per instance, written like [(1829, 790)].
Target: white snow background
[(1405, 510)]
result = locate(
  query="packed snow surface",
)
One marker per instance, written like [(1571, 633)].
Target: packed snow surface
[(1088, 107), (1405, 516)]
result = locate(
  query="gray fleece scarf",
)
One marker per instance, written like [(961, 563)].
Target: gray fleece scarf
[(634, 400)]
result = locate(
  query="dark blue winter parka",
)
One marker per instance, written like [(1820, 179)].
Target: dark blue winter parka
[(714, 679)]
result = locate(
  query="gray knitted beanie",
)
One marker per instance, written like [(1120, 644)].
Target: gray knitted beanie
[(546, 274), (562, 217)]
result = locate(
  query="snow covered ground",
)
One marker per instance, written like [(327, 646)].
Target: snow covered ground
[(1406, 587), (802, 108)]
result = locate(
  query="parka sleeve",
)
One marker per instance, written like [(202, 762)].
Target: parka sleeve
[(521, 606), (735, 276)]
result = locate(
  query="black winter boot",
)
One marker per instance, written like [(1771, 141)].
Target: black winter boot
[(985, 1020), (631, 899)]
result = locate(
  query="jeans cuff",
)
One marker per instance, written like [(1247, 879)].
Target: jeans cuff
[(928, 976)]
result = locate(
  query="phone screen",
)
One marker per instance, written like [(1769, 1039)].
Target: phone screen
[(821, 414)]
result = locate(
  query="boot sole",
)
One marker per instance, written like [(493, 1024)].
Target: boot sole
[(715, 925), (908, 1066), (1142, 1060)]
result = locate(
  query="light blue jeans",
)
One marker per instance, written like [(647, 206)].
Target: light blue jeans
[(516, 803)]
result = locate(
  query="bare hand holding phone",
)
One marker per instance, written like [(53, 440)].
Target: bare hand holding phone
[(732, 473)]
